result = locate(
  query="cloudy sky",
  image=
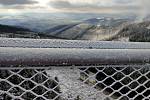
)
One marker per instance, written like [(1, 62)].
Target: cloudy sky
[(79, 6)]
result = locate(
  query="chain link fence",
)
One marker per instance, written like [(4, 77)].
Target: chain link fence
[(124, 82), (73, 70)]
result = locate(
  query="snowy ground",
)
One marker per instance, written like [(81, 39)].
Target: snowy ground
[(72, 87)]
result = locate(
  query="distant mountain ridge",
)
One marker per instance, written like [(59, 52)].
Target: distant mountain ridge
[(106, 29), (8, 31), (91, 29), (12, 29)]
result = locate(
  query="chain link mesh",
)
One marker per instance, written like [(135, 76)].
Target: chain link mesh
[(76, 83)]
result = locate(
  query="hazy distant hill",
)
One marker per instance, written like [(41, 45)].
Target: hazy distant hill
[(18, 32), (40, 22), (104, 28), (91, 29), (12, 29)]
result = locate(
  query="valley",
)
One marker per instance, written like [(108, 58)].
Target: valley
[(100, 29)]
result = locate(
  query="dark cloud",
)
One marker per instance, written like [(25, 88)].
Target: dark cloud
[(16, 2), (124, 1), (63, 4), (66, 5)]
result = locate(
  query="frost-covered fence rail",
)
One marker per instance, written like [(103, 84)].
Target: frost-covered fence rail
[(68, 57), (47, 43), (73, 70)]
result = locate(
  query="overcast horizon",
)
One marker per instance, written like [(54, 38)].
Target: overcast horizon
[(72, 6)]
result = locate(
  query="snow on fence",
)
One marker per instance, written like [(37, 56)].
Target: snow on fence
[(73, 70)]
